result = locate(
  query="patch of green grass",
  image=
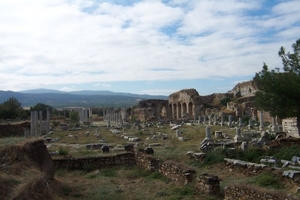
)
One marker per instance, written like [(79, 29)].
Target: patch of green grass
[(186, 190), (107, 193), (267, 180), (109, 172), (92, 176), (11, 141), (215, 156), (157, 176)]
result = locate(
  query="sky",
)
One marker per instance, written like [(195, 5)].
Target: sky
[(152, 47)]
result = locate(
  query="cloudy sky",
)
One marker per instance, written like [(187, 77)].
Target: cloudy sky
[(141, 46)]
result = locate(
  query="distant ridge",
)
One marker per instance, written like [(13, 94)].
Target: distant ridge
[(40, 91), (92, 92), (85, 98)]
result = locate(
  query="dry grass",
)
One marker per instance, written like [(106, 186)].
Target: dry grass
[(123, 183)]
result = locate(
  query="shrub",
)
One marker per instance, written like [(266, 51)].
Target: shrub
[(63, 151), (56, 123), (287, 153)]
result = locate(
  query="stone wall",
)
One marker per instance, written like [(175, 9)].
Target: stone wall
[(289, 126), (244, 192), (148, 162), (12, 130), (244, 89), (89, 163), (208, 184), (177, 172)]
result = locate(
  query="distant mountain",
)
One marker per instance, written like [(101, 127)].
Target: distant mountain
[(41, 91), (86, 98)]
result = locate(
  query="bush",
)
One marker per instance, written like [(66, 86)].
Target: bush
[(287, 153), (56, 123), (63, 151), (251, 155)]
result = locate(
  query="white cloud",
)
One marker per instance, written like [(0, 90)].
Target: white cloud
[(48, 43)]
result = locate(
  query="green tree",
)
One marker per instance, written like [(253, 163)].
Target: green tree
[(10, 109), (279, 92), (42, 107)]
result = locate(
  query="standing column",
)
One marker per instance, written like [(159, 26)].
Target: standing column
[(32, 125), (230, 120), (250, 124), (274, 125), (48, 122), (41, 121), (238, 136), (36, 123), (222, 120), (240, 122), (215, 119), (261, 126)]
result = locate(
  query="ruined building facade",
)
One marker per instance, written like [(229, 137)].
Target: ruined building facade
[(184, 104)]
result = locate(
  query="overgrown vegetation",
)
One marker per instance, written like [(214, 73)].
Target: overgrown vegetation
[(63, 151), (267, 180)]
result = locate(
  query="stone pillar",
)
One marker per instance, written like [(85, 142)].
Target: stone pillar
[(48, 122), (250, 124), (178, 133), (36, 124), (240, 122), (222, 120), (238, 136), (209, 119), (41, 122), (274, 125), (230, 120), (32, 126), (207, 133), (215, 119), (261, 120)]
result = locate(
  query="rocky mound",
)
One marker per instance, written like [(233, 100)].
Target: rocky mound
[(26, 171)]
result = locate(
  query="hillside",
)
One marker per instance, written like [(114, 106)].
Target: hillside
[(59, 99)]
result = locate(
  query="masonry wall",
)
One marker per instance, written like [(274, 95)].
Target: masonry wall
[(148, 162), (177, 172), (244, 192), (95, 162)]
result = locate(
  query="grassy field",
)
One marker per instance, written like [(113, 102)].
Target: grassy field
[(135, 183)]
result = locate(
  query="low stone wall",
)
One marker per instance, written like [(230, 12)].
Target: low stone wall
[(177, 172), (208, 184), (148, 162), (90, 163), (244, 192)]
